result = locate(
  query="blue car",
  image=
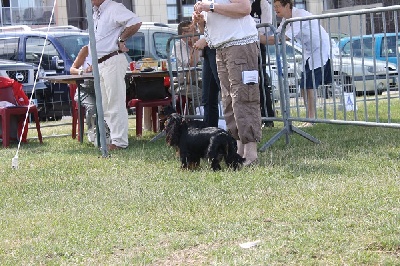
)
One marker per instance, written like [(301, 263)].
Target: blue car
[(379, 46), (61, 48), (59, 52)]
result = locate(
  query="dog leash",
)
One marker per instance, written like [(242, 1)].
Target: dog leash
[(158, 136)]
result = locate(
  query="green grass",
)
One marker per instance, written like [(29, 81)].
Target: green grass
[(335, 203)]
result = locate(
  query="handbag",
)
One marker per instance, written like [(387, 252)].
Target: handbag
[(146, 88)]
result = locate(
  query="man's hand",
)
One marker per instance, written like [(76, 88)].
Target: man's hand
[(122, 47), (200, 44), (197, 17), (202, 6)]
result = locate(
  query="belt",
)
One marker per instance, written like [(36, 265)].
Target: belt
[(108, 56)]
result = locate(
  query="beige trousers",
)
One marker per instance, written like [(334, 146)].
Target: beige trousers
[(113, 92), (241, 102)]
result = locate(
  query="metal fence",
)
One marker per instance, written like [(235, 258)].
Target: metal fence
[(190, 88), (364, 60), (364, 68)]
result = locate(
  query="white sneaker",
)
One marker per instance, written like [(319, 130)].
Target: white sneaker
[(91, 135)]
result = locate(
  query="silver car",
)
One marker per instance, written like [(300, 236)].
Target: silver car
[(25, 74), (350, 74)]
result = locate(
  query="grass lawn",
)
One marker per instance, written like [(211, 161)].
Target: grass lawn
[(334, 203)]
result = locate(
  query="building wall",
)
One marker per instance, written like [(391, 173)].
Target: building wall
[(377, 19), (151, 10), (348, 3)]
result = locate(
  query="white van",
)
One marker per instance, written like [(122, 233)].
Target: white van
[(150, 41)]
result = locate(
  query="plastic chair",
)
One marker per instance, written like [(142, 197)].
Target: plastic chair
[(11, 91), (74, 112), (139, 104)]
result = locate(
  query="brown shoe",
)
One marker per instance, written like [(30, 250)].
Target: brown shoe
[(113, 147)]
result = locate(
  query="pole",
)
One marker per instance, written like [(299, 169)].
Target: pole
[(95, 65)]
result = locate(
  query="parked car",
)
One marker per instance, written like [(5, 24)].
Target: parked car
[(362, 75), (59, 51), (337, 36), (62, 47), (273, 72), (24, 73), (383, 47), (150, 41)]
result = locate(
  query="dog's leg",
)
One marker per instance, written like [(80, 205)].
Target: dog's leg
[(233, 159), (217, 150), (215, 165), (184, 164), (184, 159)]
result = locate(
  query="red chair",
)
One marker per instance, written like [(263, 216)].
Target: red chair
[(11, 91), (75, 113), (140, 104)]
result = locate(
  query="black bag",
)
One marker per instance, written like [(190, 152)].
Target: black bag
[(146, 88)]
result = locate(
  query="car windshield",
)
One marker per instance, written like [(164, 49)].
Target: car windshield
[(160, 42), (73, 43), (136, 46)]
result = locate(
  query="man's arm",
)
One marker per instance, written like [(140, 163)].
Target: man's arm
[(79, 60), (235, 9), (130, 31), (126, 33)]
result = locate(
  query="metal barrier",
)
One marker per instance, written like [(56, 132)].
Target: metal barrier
[(365, 77), (185, 65), (365, 86), (177, 49)]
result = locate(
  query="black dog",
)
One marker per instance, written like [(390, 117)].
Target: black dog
[(195, 143)]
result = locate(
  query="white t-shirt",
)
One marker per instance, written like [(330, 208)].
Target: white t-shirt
[(266, 14), (222, 29), (316, 46)]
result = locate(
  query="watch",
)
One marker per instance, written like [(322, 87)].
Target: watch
[(120, 39), (212, 7)]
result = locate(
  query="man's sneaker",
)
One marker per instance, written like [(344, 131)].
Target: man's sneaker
[(92, 135), (108, 134)]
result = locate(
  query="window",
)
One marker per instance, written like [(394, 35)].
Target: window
[(160, 43), (72, 44), (25, 12), (346, 49), (300, 4), (367, 47), (136, 45), (172, 13), (9, 48), (34, 47), (172, 10), (391, 47)]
